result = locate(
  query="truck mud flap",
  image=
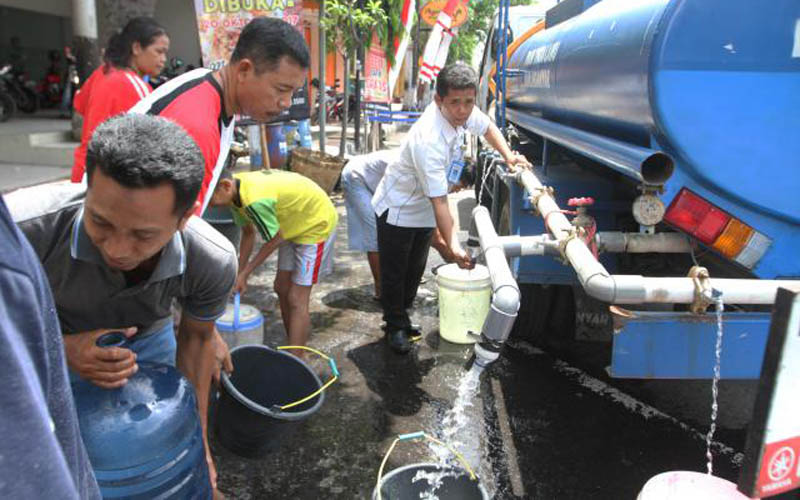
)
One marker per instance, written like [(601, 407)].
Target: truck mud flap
[(680, 345)]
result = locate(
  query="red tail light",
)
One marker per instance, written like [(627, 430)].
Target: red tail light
[(697, 217), (726, 234)]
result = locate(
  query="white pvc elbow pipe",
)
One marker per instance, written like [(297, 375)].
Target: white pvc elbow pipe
[(636, 289)]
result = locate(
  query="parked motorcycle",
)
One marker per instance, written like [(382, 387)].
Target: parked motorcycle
[(49, 90), (334, 104), (7, 105), (22, 91), (175, 67)]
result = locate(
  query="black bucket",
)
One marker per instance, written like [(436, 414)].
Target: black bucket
[(249, 420), (407, 483)]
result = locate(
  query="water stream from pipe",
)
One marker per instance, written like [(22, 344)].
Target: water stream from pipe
[(720, 307), (455, 431)]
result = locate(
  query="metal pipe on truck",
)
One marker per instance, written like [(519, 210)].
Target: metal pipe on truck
[(643, 165)]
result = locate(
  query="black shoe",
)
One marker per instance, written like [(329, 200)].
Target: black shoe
[(414, 333), (398, 341)]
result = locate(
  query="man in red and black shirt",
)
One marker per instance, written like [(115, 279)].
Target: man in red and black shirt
[(269, 63)]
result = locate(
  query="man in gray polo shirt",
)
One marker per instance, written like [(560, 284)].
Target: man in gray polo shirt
[(118, 253)]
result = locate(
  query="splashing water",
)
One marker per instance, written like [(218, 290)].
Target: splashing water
[(458, 419), (720, 307), (435, 479), (455, 421)]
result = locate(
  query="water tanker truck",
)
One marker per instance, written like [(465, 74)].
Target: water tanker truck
[(666, 181)]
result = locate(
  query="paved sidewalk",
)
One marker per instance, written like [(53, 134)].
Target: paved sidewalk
[(14, 176)]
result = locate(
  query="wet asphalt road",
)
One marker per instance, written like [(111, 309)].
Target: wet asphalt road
[(540, 427)]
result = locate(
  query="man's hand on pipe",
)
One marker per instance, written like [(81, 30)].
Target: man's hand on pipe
[(517, 162)]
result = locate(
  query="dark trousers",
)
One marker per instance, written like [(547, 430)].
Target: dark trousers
[(403, 254)]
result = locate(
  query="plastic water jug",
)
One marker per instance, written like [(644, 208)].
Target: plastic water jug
[(144, 439)]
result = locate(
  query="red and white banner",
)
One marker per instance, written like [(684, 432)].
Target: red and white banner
[(376, 85), (401, 42), (438, 45)]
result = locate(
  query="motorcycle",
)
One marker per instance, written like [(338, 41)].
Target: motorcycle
[(50, 89), (170, 71), (7, 105), (21, 90), (334, 104)]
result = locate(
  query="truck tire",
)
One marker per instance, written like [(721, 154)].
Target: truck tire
[(546, 316)]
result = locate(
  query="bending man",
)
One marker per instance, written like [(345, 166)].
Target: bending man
[(118, 254)]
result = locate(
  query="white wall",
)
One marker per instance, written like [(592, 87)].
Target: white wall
[(178, 17)]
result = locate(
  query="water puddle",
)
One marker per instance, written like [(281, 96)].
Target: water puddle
[(720, 307)]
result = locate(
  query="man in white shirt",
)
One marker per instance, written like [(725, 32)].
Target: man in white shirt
[(360, 178), (411, 199)]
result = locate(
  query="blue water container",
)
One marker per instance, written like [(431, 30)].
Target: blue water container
[(144, 439), (290, 134), (276, 145), (304, 131)]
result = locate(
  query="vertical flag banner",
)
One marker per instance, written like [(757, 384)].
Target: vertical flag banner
[(376, 87), (401, 43), (438, 45)]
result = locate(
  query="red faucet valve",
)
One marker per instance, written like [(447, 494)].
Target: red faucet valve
[(581, 202)]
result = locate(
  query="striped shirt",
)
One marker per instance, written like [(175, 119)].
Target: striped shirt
[(194, 100), (103, 95)]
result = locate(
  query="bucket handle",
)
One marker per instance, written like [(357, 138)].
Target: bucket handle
[(420, 435), (334, 374), (237, 302)]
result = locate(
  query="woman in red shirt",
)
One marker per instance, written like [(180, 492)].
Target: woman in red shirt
[(113, 88)]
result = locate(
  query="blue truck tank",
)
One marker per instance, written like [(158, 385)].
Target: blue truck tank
[(714, 83)]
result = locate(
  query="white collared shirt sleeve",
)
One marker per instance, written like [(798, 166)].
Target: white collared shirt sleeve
[(430, 162), (478, 122)]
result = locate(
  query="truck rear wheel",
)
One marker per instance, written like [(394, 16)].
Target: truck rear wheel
[(546, 315)]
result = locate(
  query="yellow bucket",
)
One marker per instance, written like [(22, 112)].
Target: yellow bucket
[(464, 297)]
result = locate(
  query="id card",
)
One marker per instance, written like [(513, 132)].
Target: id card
[(454, 171)]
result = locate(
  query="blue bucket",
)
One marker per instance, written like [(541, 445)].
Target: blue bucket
[(276, 145)]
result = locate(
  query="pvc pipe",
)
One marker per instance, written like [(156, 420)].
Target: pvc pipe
[(638, 163), (618, 242), (635, 289), (505, 291), (516, 246)]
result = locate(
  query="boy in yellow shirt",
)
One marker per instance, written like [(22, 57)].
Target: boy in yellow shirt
[(292, 214)]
